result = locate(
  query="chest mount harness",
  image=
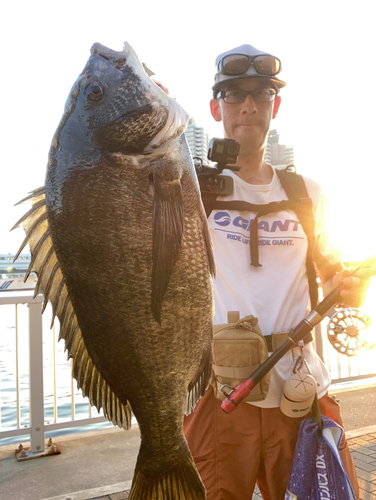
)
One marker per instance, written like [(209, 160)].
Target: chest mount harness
[(298, 201)]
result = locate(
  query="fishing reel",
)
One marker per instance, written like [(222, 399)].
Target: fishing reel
[(348, 331)]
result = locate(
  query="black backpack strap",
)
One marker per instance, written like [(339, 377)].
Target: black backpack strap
[(296, 190), (208, 200)]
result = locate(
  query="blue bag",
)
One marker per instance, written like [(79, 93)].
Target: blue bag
[(317, 470)]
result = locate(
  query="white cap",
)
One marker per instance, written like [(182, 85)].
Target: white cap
[(247, 50)]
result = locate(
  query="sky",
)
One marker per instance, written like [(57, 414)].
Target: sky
[(328, 106)]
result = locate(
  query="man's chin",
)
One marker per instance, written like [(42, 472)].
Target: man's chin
[(248, 142)]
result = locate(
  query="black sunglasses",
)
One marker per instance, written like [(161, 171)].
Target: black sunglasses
[(237, 64)]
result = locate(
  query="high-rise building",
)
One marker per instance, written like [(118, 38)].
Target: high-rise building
[(279, 155), (10, 269), (198, 141)]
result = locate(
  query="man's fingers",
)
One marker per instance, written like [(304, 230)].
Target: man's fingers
[(355, 285), (351, 281), (160, 85), (346, 294), (353, 297), (366, 273)]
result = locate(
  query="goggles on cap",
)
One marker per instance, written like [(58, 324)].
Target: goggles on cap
[(238, 64)]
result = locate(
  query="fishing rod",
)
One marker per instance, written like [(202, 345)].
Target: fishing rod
[(236, 394)]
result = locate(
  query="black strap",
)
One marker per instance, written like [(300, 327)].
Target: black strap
[(296, 190), (269, 342), (298, 201), (316, 414)]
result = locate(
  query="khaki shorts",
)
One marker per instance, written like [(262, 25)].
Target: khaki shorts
[(251, 445)]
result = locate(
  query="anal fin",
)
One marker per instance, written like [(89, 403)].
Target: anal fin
[(198, 385)]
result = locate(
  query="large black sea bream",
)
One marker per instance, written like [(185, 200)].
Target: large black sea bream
[(120, 243)]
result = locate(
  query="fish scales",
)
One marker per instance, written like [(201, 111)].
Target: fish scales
[(129, 262)]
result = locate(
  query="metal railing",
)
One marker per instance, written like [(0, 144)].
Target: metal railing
[(38, 422), (42, 409)]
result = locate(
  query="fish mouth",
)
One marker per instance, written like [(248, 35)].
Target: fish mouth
[(116, 58), (120, 59), (140, 110)]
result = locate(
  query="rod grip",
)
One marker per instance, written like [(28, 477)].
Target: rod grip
[(236, 397)]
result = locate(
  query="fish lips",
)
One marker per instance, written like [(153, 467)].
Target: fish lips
[(116, 58)]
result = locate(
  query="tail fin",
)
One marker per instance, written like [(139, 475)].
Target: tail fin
[(180, 482)]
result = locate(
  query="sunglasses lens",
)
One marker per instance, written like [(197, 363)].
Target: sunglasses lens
[(235, 64), (267, 65)]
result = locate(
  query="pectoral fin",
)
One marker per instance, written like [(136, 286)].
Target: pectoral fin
[(168, 226)]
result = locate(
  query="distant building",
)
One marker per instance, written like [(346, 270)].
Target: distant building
[(198, 140), (278, 154), (8, 269)]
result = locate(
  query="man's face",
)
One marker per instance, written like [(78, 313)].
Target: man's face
[(247, 122)]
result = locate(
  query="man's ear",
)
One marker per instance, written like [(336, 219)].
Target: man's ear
[(277, 103), (215, 110)]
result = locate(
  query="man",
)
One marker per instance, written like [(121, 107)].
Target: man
[(255, 443)]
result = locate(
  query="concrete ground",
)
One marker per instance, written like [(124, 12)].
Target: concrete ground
[(358, 407), (93, 463), (99, 465)]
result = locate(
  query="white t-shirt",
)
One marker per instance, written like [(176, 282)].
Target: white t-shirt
[(276, 293)]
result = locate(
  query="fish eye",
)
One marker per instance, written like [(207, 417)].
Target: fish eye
[(94, 91)]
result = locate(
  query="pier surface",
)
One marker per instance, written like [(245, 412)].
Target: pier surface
[(99, 464)]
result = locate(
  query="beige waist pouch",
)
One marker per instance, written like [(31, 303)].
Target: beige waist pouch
[(239, 349)]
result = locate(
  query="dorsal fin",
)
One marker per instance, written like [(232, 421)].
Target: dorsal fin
[(51, 283)]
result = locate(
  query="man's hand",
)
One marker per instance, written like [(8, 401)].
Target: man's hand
[(356, 285), (160, 85)]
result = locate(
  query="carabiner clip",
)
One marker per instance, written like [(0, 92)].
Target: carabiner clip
[(298, 364), (225, 387)]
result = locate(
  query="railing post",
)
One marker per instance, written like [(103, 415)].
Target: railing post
[(36, 379)]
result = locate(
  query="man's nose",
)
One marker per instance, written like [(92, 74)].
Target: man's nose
[(249, 105)]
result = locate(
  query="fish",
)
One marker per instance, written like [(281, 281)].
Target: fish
[(121, 247)]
